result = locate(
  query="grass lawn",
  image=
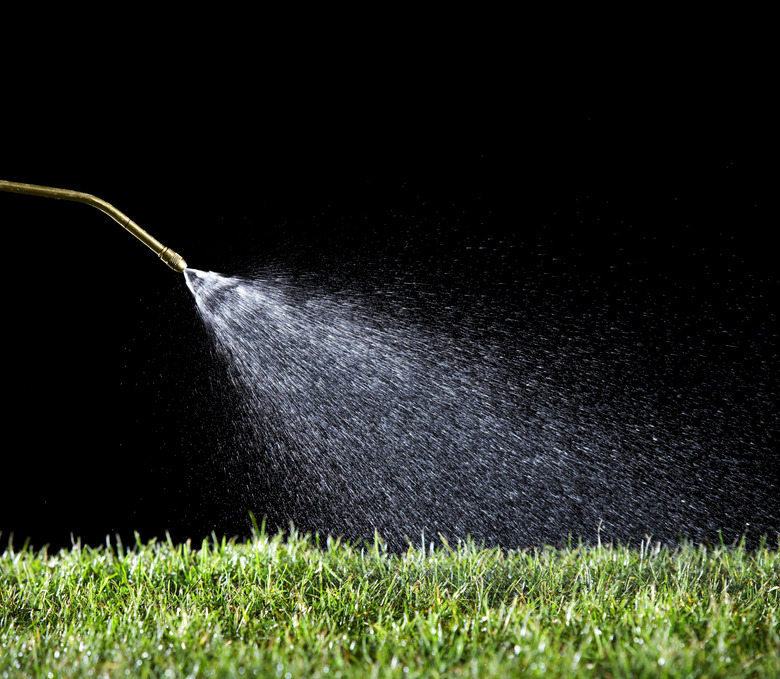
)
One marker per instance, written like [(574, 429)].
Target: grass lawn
[(275, 607)]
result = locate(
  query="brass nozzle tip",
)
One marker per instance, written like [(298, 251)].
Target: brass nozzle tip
[(173, 260)]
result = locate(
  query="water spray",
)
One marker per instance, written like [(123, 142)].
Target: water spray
[(172, 259)]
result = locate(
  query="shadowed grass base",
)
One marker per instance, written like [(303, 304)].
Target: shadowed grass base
[(291, 607)]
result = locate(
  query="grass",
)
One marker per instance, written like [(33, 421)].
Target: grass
[(291, 607)]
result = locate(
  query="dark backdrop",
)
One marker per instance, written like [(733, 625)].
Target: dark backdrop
[(112, 410)]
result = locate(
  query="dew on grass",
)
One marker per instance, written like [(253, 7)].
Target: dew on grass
[(355, 414)]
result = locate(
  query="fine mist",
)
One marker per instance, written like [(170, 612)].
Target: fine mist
[(357, 416)]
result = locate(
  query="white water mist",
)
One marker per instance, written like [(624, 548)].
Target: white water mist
[(365, 420)]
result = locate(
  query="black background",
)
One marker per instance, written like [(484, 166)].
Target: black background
[(110, 408)]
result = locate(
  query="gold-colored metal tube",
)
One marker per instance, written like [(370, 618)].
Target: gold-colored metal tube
[(173, 260)]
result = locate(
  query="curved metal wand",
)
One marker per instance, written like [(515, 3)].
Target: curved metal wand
[(172, 259)]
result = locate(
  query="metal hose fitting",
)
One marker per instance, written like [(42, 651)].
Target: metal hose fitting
[(173, 260)]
